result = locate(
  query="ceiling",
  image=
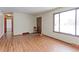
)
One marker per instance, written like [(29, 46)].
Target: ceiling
[(29, 10)]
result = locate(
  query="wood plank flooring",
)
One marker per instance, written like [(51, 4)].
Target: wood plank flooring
[(33, 43)]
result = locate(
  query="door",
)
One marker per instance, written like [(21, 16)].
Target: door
[(39, 24)]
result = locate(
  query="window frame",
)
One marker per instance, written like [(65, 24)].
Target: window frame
[(59, 22)]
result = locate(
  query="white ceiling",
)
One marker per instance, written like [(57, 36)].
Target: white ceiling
[(29, 10)]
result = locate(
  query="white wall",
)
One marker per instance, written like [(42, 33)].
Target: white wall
[(47, 27), (23, 23), (1, 25)]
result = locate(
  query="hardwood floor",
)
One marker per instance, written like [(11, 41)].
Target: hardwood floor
[(33, 43)]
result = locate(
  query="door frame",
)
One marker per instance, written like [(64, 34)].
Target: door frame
[(40, 25), (5, 24)]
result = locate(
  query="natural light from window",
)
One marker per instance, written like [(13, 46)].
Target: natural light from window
[(67, 22), (57, 22), (78, 22)]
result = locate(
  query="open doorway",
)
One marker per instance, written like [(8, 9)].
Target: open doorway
[(8, 23), (39, 25)]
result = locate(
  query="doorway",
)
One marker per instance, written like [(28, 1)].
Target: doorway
[(39, 25), (8, 24)]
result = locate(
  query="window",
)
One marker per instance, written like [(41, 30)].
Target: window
[(57, 22), (67, 22), (77, 22)]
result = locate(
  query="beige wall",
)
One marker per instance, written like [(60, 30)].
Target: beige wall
[(23, 23), (47, 27)]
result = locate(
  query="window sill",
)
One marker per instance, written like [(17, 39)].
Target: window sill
[(66, 34)]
